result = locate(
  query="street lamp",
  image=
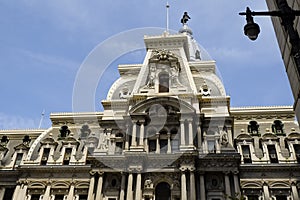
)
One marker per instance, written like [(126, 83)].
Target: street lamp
[(287, 16), (251, 29)]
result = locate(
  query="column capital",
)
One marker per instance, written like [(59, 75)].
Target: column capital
[(183, 168), (48, 182), (182, 120), (192, 168), (142, 121), (190, 120), (92, 173), (235, 172), (73, 183), (226, 172), (293, 183), (100, 173)]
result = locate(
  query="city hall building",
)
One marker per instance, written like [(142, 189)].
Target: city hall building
[(167, 132)]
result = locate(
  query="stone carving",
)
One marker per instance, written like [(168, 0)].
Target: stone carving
[(151, 76), (124, 93), (163, 61), (148, 183), (224, 138), (175, 69), (205, 90), (103, 140)]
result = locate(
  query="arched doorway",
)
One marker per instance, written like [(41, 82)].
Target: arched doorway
[(164, 82), (162, 191)]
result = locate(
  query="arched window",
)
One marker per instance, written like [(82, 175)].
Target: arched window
[(163, 82), (277, 127), (253, 127)]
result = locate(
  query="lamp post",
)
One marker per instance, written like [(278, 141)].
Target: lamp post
[(287, 17)]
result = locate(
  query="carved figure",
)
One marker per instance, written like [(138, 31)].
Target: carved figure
[(185, 18), (151, 76), (148, 183), (174, 75), (103, 141), (124, 93), (224, 138)]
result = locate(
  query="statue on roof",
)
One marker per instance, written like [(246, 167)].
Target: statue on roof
[(185, 18)]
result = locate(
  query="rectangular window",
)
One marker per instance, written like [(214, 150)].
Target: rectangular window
[(67, 157), (45, 156), (272, 154), (175, 145), (83, 197), (211, 146), (163, 146), (252, 197), (281, 197), (19, 159), (152, 145), (119, 147), (35, 197), (59, 197), (297, 152), (246, 154)]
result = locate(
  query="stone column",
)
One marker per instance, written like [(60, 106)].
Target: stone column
[(191, 138), (71, 192), (266, 192), (25, 186), (127, 138), (236, 183), (47, 192), (157, 144), (142, 132), (229, 132), (2, 191), (91, 187), (138, 188), (129, 195), (133, 138), (205, 145), (227, 184), (199, 138), (202, 187), (183, 184), (17, 191), (169, 150), (192, 184), (217, 144), (122, 192), (99, 186), (182, 134), (295, 194)]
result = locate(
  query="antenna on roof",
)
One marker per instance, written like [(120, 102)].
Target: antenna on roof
[(42, 117), (167, 23)]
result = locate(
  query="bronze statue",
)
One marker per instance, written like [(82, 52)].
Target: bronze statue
[(185, 18)]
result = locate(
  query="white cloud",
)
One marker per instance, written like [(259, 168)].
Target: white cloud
[(17, 122), (54, 61)]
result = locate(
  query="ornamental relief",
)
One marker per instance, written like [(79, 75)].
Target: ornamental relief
[(151, 180), (164, 69)]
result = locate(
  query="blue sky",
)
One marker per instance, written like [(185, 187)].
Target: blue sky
[(43, 44)]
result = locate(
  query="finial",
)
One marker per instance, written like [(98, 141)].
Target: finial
[(185, 18)]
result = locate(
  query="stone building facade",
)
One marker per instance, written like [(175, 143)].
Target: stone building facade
[(167, 132)]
